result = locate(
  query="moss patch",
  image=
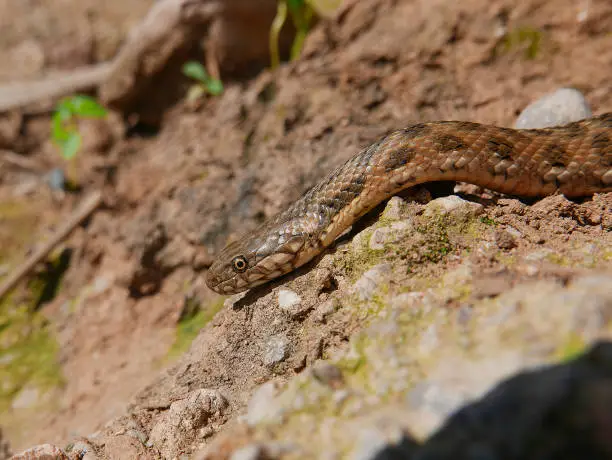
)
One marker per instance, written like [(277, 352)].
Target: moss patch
[(28, 353), (189, 326)]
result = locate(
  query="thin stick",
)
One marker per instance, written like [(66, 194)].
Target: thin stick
[(87, 206), (15, 95)]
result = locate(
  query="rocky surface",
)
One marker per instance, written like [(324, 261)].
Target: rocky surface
[(422, 308)]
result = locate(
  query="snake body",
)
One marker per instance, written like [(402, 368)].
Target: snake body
[(574, 159)]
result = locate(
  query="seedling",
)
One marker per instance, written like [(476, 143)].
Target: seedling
[(64, 125), (205, 83), (301, 14)]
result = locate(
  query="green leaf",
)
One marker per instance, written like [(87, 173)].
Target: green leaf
[(214, 86), (64, 110), (85, 106), (71, 146), (295, 4), (59, 133), (195, 70)]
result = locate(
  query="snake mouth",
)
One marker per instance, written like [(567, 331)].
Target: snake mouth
[(233, 285)]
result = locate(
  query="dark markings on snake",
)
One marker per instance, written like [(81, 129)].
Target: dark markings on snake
[(576, 129), (606, 120), (556, 155), (346, 194), (501, 148), (366, 154), (449, 143), (600, 141), (334, 204), (398, 158), (467, 127), (417, 130)]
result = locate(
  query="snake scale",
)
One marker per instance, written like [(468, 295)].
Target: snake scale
[(574, 159)]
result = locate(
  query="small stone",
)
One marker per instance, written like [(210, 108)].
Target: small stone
[(454, 206), (177, 428), (328, 374), (554, 109), (289, 301), (83, 451), (275, 350), (514, 232), (250, 452), (366, 286), (393, 210), (42, 452), (379, 238), (324, 310), (504, 239), (262, 406)]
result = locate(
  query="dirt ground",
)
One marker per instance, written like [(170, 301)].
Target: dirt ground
[(174, 197)]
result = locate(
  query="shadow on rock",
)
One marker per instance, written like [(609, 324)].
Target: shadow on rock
[(558, 412)]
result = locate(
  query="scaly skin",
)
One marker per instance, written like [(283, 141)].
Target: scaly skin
[(575, 159)]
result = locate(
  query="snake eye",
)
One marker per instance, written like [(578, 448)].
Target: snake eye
[(240, 264)]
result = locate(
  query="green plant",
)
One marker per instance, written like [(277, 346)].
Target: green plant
[(301, 14), (64, 128), (64, 124), (205, 83)]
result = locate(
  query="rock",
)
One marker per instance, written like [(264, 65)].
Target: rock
[(393, 209), (42, 452), (262, 406), (179, 426), (453, 206), (290, 302), (250, 452), (324, 310), (123, 447), (504, 239), (370, 442), (395, 232), (379, 238), (551, 412), (558, 108), (366, 286), (381, 437), (328, 374), (275, 350), (83, 451)]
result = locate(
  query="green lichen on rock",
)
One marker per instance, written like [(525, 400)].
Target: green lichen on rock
[(190, 324), (359, 258), (28, 353), (28, 349)]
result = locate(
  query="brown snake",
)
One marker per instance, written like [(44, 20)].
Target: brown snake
[(575, 159)]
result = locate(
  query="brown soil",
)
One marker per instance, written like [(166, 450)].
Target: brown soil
[(175, 198)]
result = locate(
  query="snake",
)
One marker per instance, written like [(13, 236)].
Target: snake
[(574, 159)]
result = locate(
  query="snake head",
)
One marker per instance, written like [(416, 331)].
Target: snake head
[(253, 260)]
